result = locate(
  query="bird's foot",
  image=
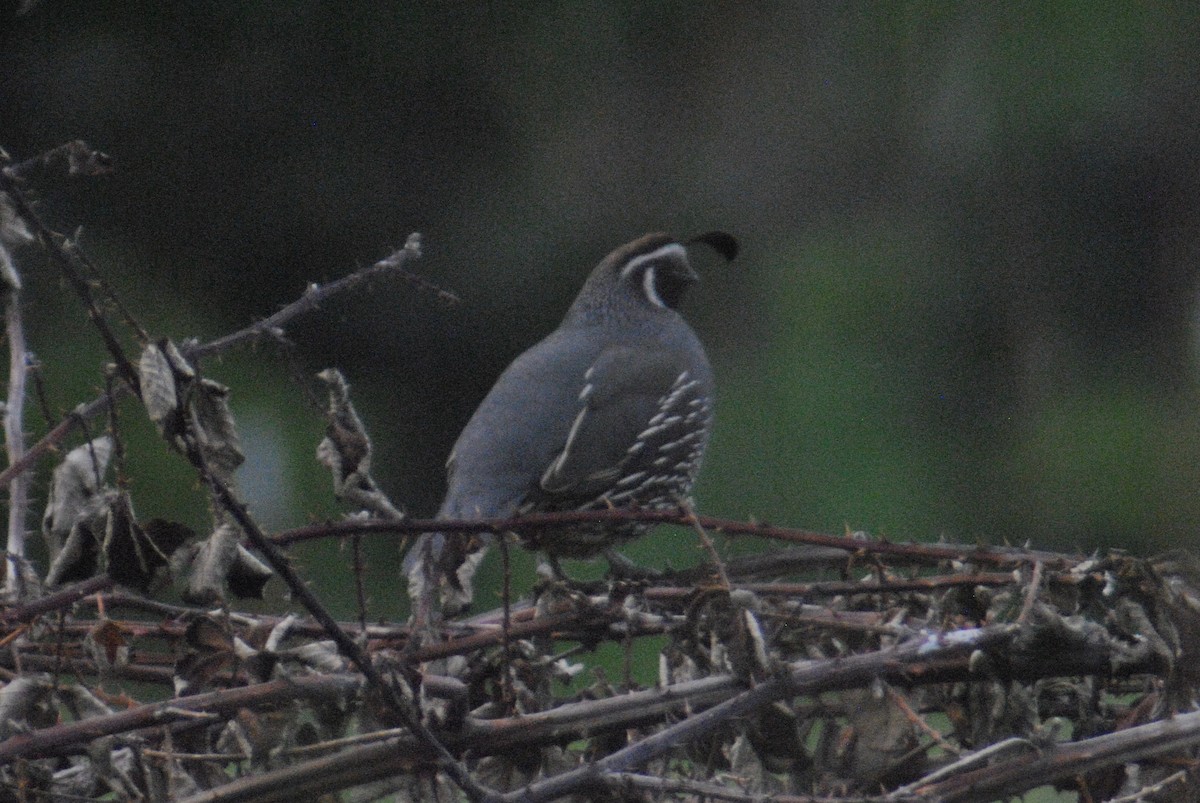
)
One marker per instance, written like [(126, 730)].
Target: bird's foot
[(550, 570), (622, 568)]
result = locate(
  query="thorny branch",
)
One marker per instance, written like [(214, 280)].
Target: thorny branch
[(395, 263), (346, 645), (14, 406), (831, 668), (1006, 557), (82, 160)]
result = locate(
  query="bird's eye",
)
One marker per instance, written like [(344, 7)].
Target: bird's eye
[(663, 275), (666, 285)]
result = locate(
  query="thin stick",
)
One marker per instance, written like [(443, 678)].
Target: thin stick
[(360, 590), (509, 694), (396, 262), (59, 600), (921, 553), (1031, 592), (689, 514), (14, 433), (345, 644)]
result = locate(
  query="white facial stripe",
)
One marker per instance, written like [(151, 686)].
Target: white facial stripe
[(648, 289), (669, 248), (674, 249)]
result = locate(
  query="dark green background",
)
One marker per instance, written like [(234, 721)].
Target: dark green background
[(966, 305)]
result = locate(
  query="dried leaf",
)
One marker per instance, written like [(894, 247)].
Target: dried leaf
[(214, 428), (884, 737), (210, 567), (262, 731), (8, 269), (189, 411), (13, 230), (320, 656), (160, 394), (108, 644), (346, 452), (210, 651), (74, 484), (248, 575), (25, 703), (346, 448), (511, 770), (129, 563), (208, 634), (745, 765), (86, 704), (167, 536), (79, 557)]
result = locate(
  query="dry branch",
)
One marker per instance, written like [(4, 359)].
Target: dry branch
[(832, 668)]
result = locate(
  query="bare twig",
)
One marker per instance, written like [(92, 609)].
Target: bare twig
[(395, 263), (689, 515), (76, 267), (69, 736), (917, 552), (1035, 768), (698, 790), (1150, 792), (14, 424), (1031, 592), (57, 601), (828, 588), (360, 589), (59, 434), (850, 671), (345, 644)]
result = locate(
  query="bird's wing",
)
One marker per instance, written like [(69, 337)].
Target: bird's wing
[(621, 422)]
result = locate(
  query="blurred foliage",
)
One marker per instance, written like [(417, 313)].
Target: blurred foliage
[(966, 305)]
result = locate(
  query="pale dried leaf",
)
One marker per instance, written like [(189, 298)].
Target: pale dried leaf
[(73, 486), (75, 782), (210, 567), (214, 428), (160, 395), (8, 269), (745, 765), (320, 656), (346, 448), (21, 700), (883, 734), (85, 703), (13, 229), (13, 232), (279, 633), (26, 584), (248, 574), (81, 552)]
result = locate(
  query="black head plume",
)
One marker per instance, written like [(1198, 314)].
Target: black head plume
[(724, 244)]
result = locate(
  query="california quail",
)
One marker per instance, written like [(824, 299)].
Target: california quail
[(613, 408)]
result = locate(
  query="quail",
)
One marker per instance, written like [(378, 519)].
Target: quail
[(612, 409)]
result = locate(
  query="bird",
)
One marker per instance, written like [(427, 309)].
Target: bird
[(611, 409)]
